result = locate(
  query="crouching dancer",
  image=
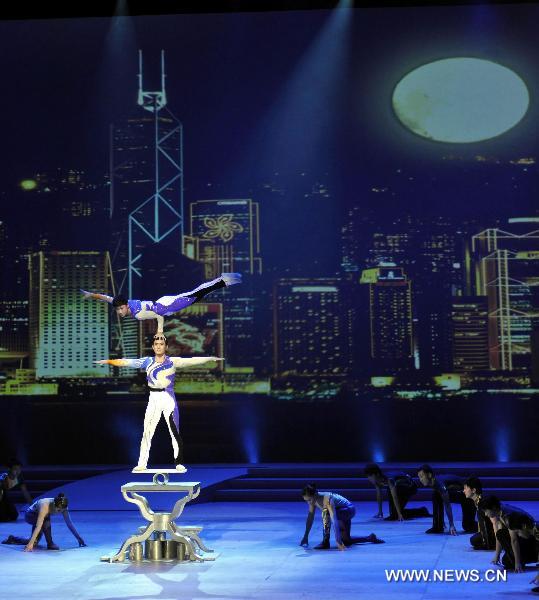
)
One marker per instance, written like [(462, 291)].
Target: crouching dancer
[(484, 539), (515, 533), (400, 488), (336, 511), (39, 517), (447, 489)]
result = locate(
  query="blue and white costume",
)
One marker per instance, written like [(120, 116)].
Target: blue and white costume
[(165, 306), (162, 401), (168, 305)]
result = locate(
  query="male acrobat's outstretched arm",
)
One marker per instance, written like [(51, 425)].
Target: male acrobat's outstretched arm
[(134, 363), (194, 361), (95, 296)]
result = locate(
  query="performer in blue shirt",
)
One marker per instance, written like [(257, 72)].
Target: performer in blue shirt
[(337, 511), (166, 305), (39, 516)]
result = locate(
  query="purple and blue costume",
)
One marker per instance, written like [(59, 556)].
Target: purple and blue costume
[(162, 401)]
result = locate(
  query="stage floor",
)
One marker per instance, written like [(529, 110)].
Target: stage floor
[(259, 558)]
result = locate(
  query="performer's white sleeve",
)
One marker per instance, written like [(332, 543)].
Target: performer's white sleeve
[(135, 363), (191, 362)]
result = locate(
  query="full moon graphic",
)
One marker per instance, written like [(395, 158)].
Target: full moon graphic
[(460, 100)]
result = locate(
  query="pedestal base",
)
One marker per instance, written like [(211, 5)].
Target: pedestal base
[(161, 523)]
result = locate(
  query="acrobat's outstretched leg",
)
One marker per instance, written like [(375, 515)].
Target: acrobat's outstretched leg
[(168, 305), (226, 280)]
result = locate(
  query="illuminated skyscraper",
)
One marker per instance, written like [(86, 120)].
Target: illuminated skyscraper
[(228, 234), (13, 291), (390, 313), (136, 216), (469, 317), (353, 240), (146, 201), (224, 236), (431, 250), (312, 322), (67, 334), (146, 194), (507, 273), (13, 326)]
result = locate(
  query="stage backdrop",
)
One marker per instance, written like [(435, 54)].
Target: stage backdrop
[(372, 174)]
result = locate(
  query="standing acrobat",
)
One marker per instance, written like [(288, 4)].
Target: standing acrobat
[(166, 305), (160, 374)]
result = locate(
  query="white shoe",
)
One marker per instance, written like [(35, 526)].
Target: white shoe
[(231, 278), (139, 469), (181, 469)]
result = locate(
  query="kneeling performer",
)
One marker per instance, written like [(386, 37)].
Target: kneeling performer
[(39, 517), (336, 510)]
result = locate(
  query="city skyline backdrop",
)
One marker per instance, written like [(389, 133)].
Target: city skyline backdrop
[(367, 252)]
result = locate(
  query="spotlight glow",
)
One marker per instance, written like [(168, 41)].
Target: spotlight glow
[(250, 444), (502, 445), (460, 100), (378, 454)]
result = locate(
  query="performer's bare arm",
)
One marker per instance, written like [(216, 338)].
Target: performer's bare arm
[(380, 512), (496, 525), (72, 528), (393, 492), (513, 534), (160, 323), (449, 512), (308, 525), (95, 296), (43, 512)]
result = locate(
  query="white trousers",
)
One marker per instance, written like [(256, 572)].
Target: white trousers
[(159, 403)]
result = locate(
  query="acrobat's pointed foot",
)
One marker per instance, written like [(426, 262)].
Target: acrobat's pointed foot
[(231, 278), (181, 468)]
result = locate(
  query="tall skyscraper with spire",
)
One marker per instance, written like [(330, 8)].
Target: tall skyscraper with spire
[(146, 199)]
